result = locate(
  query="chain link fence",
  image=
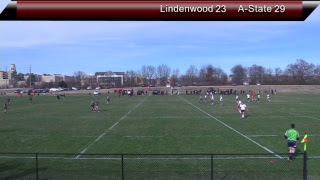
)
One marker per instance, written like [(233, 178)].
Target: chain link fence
[(151, 166)]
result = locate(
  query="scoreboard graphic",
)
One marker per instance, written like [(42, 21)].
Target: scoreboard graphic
[(148, 10)]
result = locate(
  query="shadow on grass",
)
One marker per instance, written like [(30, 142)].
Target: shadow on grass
[(10, 130), (25, 174), (104, 110)]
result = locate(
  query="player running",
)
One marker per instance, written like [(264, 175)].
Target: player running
[(248, 97), (259, 98), (8, 100), (205, 97), (5, 107), (268, 97), (30, 99), (108, 99), (292, 136), (96, 108), (238, 107), (221, 100), (243, 108), (200, 99), (92, 106), (237, 99), (212, 99)]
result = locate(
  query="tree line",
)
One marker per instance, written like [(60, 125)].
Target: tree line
[(299, 73)]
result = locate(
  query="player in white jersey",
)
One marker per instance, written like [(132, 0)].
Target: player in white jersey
[(237, 98), (221, 100), (239, 103), (243, 108), (259, 98), (268, 97), (248, 97), (205, 97), (212, 99)]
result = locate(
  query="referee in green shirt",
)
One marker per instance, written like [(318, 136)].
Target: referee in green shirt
[(292, 136)]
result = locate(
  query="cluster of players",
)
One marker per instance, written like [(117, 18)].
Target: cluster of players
[(242, 107), (95, 104), (211, 96)]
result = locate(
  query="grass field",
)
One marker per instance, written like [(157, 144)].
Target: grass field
[(159, 124)]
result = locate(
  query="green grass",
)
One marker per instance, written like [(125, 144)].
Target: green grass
[(156, 125)]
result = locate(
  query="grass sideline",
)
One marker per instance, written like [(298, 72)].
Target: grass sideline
[(159, 124)]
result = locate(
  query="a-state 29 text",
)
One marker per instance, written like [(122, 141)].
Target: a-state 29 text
[(262, 9)]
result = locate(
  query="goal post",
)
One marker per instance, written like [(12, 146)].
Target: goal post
[(175, 91)]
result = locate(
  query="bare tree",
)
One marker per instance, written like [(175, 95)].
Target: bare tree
[(130, 78), (140, 77), (256, 74), (148, 72), (163, 74), (268, 76), (78, 76), (300, 72), (239, 74), (191, 74), (174, 79), (316, 79), (219, 77), (202, 76), (278, 76), (210, 71)]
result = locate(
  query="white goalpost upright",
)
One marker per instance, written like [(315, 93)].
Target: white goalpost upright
[(175, 91)]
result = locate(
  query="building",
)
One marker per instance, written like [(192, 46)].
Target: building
[(114, 79), (8, 78), (88, 80), (47, 78), (68, 79)]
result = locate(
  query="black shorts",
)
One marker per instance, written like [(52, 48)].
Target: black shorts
[(292, 144), (243, 110)]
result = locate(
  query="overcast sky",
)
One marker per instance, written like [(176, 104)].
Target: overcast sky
[(65, 47)]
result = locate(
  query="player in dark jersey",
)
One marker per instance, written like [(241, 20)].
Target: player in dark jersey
[(96, 108), (30, 99), (5, 107), (108, 100), (92, 106), (8, 100)]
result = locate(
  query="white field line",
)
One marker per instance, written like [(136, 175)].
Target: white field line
[(35, 135), (103, 134), (299, 115), (177, 158), (263, 147), (84, 136), (261, 135), (143, 136)]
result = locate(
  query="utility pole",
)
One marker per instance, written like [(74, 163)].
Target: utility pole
[(30, 75), (6, 77)]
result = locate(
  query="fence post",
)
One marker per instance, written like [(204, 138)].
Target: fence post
[(122, 167), (305, 169), (37, 167), (211, 166)]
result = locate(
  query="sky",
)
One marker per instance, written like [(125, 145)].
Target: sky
[(63, 47)]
